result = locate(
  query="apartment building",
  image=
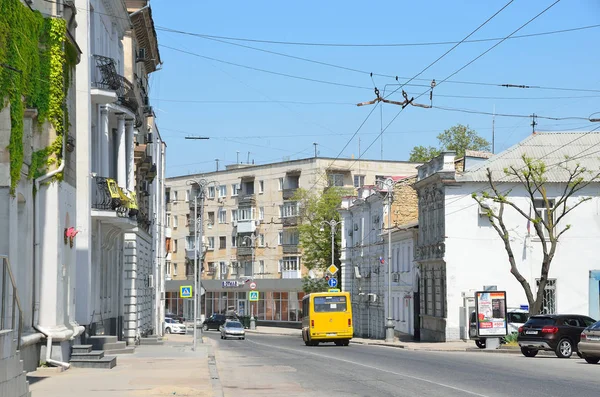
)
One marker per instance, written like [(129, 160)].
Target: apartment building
[(250, 233)]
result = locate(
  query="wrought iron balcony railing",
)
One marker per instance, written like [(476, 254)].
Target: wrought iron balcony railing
[(107, 195), (106, 77)]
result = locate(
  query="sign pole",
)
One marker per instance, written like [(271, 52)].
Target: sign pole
[(195, 270)]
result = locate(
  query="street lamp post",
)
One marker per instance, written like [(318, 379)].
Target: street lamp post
[(198, 230), (252, 239), (333, 225), (389, 325)]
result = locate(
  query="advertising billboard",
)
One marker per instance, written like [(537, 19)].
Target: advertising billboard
[(490, 307)]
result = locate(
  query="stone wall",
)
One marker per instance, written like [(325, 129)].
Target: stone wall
[(13, 381), (405, 207)]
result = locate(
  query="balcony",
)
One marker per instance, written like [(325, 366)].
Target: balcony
[(246, 226), (246, 199), (244, 251), (139, 153), (191, 254), (290, 221), (288, 194), (105, 77), (290, 249), (291, 274)]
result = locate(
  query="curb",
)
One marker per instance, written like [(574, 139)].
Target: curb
[(377, 344)]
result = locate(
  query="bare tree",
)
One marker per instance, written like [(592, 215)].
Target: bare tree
[(546, 217)]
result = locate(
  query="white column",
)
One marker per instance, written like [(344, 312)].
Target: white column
[(104, 160), (121, 163), (129, 145)]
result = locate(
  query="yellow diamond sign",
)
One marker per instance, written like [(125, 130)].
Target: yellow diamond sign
[(332, 269)]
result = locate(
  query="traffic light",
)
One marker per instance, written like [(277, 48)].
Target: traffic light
[(327, 278)]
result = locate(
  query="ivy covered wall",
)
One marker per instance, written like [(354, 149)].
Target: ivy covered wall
[(35, 64)]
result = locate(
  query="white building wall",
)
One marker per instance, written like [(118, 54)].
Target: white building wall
[(475, 255)]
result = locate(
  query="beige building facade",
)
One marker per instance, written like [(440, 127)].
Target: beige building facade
[(250, 233)]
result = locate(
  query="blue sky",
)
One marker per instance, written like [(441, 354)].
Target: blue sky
[(249, 111)]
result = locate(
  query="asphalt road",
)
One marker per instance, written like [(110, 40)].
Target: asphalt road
[(283, 366)]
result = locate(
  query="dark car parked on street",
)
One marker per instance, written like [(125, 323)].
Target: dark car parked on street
[(216, 320), (559, 333)]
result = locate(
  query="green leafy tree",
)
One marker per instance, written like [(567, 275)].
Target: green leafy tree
[(310, 285), (422, 154), (314, 236), (546, 214), (458, 138)]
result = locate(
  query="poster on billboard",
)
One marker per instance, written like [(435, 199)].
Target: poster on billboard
[(491, 313)]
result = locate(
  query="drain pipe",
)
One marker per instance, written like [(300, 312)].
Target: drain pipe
[(48, 355)]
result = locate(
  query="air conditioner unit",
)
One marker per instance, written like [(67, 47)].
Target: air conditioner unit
[(395, 277)]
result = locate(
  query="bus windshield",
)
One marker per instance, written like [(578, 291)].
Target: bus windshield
[(330, 304)]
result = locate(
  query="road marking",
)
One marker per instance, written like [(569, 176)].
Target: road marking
[(375, 368)]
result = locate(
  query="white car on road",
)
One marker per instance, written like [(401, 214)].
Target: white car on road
[(174, 327)]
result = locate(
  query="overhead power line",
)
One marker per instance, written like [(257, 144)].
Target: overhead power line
[(416, 44)]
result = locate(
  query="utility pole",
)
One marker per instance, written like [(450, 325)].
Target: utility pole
[(389, 325), (533, 123)]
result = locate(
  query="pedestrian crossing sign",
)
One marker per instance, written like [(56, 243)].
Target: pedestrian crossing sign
[(253, 296), (185, 291)]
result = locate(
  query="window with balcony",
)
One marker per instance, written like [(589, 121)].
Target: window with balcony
[(280, 182), (246, 214), (211, 192), (234, 215), (222, 216), (223, 191), (235, 188), (288, 209), (222, 242), (261, 187), (290, 267), (211, 243), (336, 179), (248, 187), (189, 242), (359, 181), (293, 182)]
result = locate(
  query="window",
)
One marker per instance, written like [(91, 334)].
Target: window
[(175, 245), (222, 242), (247, 268), (223, 266), (223, 191), (261, 187), (280, 238), (235, 188), (211, 243), (234, 241), (330, 304), (293, 181), (234, 215), (187, 195), (189, 242), (211, 219), (234, 268), (290, 237), (261, 240), (174, 269), (549, 299), (290, 263), (540, 207), (261, 213), (174, 195), (246, 214), (249, 187), (280, 183), (211, 192), (211, 267), (187, 219), (222, 215), (359, 180), (379, 180), (336, 179), (288, 209), (261, 267), (175, 221), (168, 220), (168, 267)]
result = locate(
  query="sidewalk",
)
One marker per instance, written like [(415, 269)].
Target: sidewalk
[(404, 343), (171, 369)]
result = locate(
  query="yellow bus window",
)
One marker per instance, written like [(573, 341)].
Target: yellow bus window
[(330, 304)]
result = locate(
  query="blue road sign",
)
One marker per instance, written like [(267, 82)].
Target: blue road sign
[(332, 282), (185, 291)]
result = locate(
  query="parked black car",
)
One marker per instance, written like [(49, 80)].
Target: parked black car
[(559, 333), (216, 320)]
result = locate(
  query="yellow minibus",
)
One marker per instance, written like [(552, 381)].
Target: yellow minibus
[(327, 317)]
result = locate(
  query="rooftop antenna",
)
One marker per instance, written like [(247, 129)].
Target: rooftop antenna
[(217, 160), (315, 144), (237, 161), (248, 160)]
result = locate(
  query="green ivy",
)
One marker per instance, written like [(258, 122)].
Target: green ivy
[(38, 47)]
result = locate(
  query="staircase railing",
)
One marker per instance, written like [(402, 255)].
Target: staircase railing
[(6, 275)]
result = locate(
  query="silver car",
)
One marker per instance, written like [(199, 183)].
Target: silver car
[(589, 345), (233, 329)]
